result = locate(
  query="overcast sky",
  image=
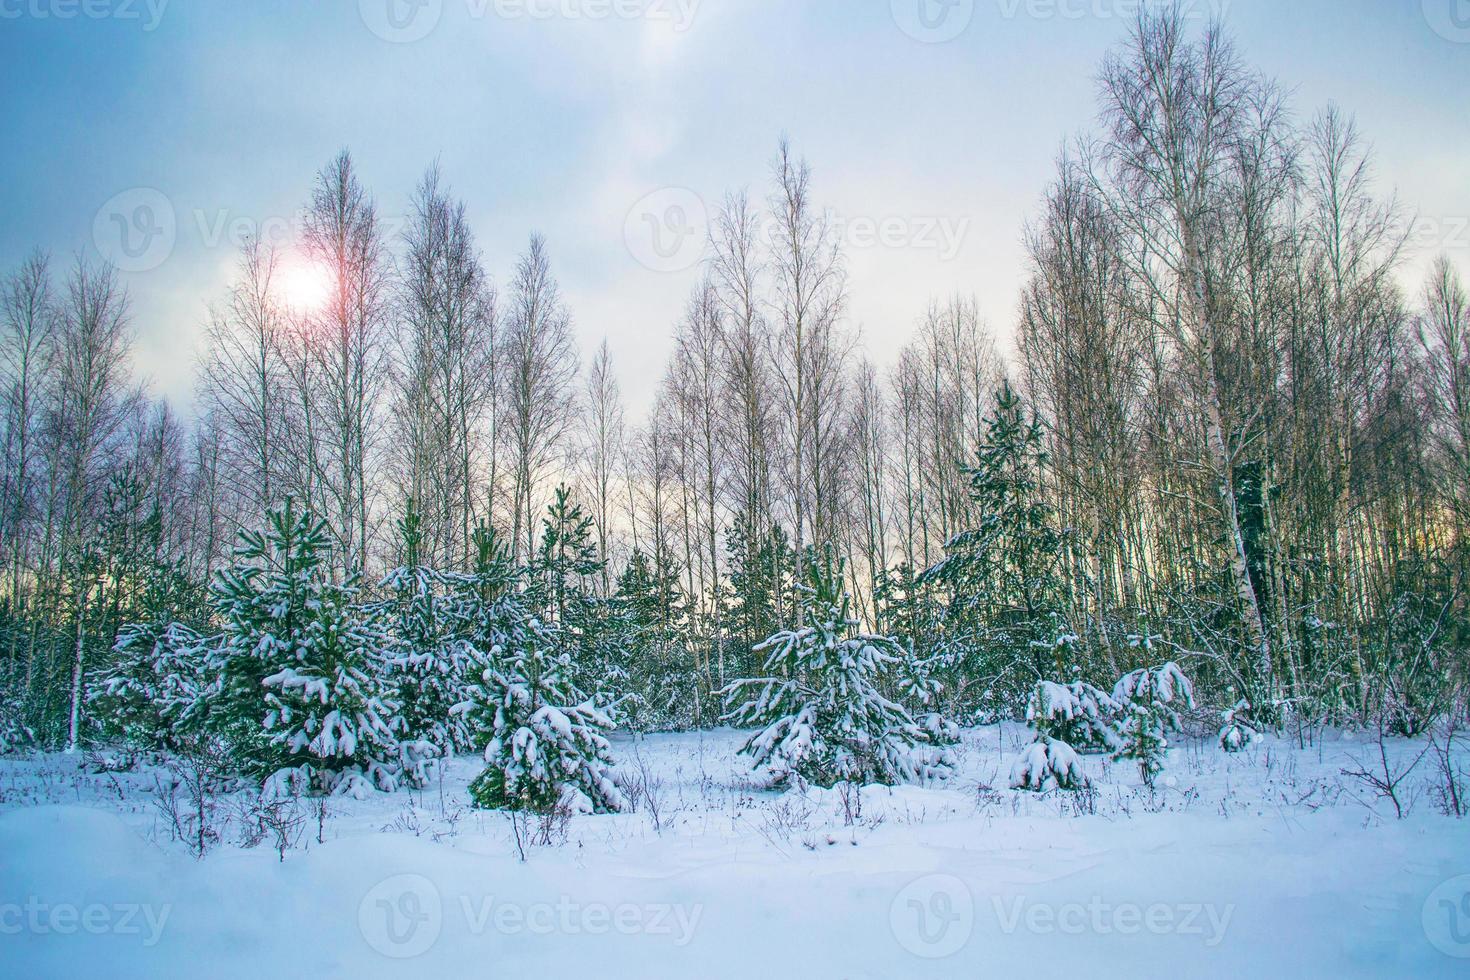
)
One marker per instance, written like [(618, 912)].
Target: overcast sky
[(157, 131)]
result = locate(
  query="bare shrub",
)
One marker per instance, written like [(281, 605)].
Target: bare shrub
[(1382, 777), (1452, 781), (189, 799)]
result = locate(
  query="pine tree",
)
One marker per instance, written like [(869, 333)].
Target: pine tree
[(822, 714), (547, 747), (650, 611), (304, 670), (158, 690), (1143, 741), (1078, 714), (1048, 764), (1147, 697), (1237, 733), (561, 579), (1003, 623), (434, 670), (544, 740), (906, 607), (761, 588), (478, 597), (152, 689)]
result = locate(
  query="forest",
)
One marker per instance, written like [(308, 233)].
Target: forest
[(1227, 442)]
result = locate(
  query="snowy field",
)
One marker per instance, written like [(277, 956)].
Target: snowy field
[(1268, 863)]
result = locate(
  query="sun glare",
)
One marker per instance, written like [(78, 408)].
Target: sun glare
[(304, 285)]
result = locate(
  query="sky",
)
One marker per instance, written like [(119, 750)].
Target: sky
[(158, 133)]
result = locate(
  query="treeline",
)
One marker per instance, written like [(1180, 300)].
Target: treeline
[(1226, 438)]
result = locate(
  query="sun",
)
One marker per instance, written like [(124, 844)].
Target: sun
[(302, 284)]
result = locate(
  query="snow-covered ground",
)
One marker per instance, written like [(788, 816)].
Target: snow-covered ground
[(1268, 863)]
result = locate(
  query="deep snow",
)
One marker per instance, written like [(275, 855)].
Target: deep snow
[(1268, 863)]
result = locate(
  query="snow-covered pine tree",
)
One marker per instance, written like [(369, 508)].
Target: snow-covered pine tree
[(1237, 733), (1077, 713), (434, 671), (762, 588), (548, 745), (1143, 741), (157, 692), (1159, 689), (920, 686), (15, 734), (560, 590), (160, 679), (1048, 764), (544, 740), (494, 579), (822, 715), (305, 698), (1148, 696)]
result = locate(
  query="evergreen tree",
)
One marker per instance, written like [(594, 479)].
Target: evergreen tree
[(129, 591), (1078, 714), (1237, 733), (1003, 625), (1143, 741), (1147, 697), (544, 739), (761, 588), (434, 670), (650, 610), (547, 740), (561, 578), (478, 597), (822, 714), (157, 692), (1048, 764), (906, 607), (304, 670)]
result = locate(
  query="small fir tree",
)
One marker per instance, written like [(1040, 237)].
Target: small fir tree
[(1237, 733), (1048, 764), (548, 747), (1001, 579), (1078, 714), (433, 670), (822, 715), (1148, 697), (304, 669)]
